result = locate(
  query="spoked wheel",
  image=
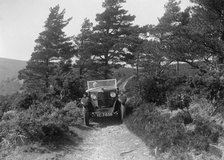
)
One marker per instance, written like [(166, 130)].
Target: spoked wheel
[(86, 116)]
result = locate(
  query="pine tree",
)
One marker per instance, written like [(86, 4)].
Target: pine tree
[(53, 52), (112, 37), (84, 44), (208, 18)]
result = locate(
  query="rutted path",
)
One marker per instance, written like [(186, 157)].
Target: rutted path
[(110, 142)]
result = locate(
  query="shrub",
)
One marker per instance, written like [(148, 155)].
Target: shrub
[(160, 130), (201, 107), (42, 122), (133, 103), (57, 103), (208, 129), (72, 114), (24, 101), (153, 90), (10, 135), (168, 133), (6, 103), (158, 88), (46, 123), (179, 102)]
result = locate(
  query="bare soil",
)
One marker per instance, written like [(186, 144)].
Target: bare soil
[(104, 139), (110, 140)]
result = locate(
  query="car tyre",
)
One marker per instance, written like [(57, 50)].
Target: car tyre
[(86, 116)]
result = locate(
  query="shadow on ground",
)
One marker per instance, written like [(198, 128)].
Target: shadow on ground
[(68, 142), (102, 122)]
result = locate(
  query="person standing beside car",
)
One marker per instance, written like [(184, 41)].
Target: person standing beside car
[(122, 98), (85, 100)]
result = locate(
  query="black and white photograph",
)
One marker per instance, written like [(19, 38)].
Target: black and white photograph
[(111, 79)]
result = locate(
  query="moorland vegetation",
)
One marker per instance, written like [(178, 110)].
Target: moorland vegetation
[(178, 112)]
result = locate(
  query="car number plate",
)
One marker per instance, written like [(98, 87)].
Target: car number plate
[(106, 114)]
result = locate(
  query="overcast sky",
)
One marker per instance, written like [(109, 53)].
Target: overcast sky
[(21, 21)]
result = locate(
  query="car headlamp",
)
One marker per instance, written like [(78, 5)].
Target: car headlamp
[(112, 94), (93, 96)]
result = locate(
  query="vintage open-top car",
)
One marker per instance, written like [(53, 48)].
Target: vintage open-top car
[(102, 100)]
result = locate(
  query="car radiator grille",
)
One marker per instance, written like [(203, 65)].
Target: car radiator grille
[(104, 100)]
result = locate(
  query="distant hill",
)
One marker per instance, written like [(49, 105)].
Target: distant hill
[(9, 68)]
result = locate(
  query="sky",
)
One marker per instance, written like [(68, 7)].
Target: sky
[(21, 21)]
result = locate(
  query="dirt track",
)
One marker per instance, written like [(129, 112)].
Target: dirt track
[(110, 141), (107, 139)]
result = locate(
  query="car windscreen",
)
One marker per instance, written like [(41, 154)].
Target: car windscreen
[(102, 83)]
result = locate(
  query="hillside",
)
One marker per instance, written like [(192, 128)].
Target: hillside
[(9, 68)]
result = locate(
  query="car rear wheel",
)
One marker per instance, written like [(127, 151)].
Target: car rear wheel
[(86, 116)]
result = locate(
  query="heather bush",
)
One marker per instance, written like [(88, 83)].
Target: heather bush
[(10, 135), (169, 133), (159, 130), (72, 114), (45, 122), (208, 129), (201, 107), (42, 122)]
